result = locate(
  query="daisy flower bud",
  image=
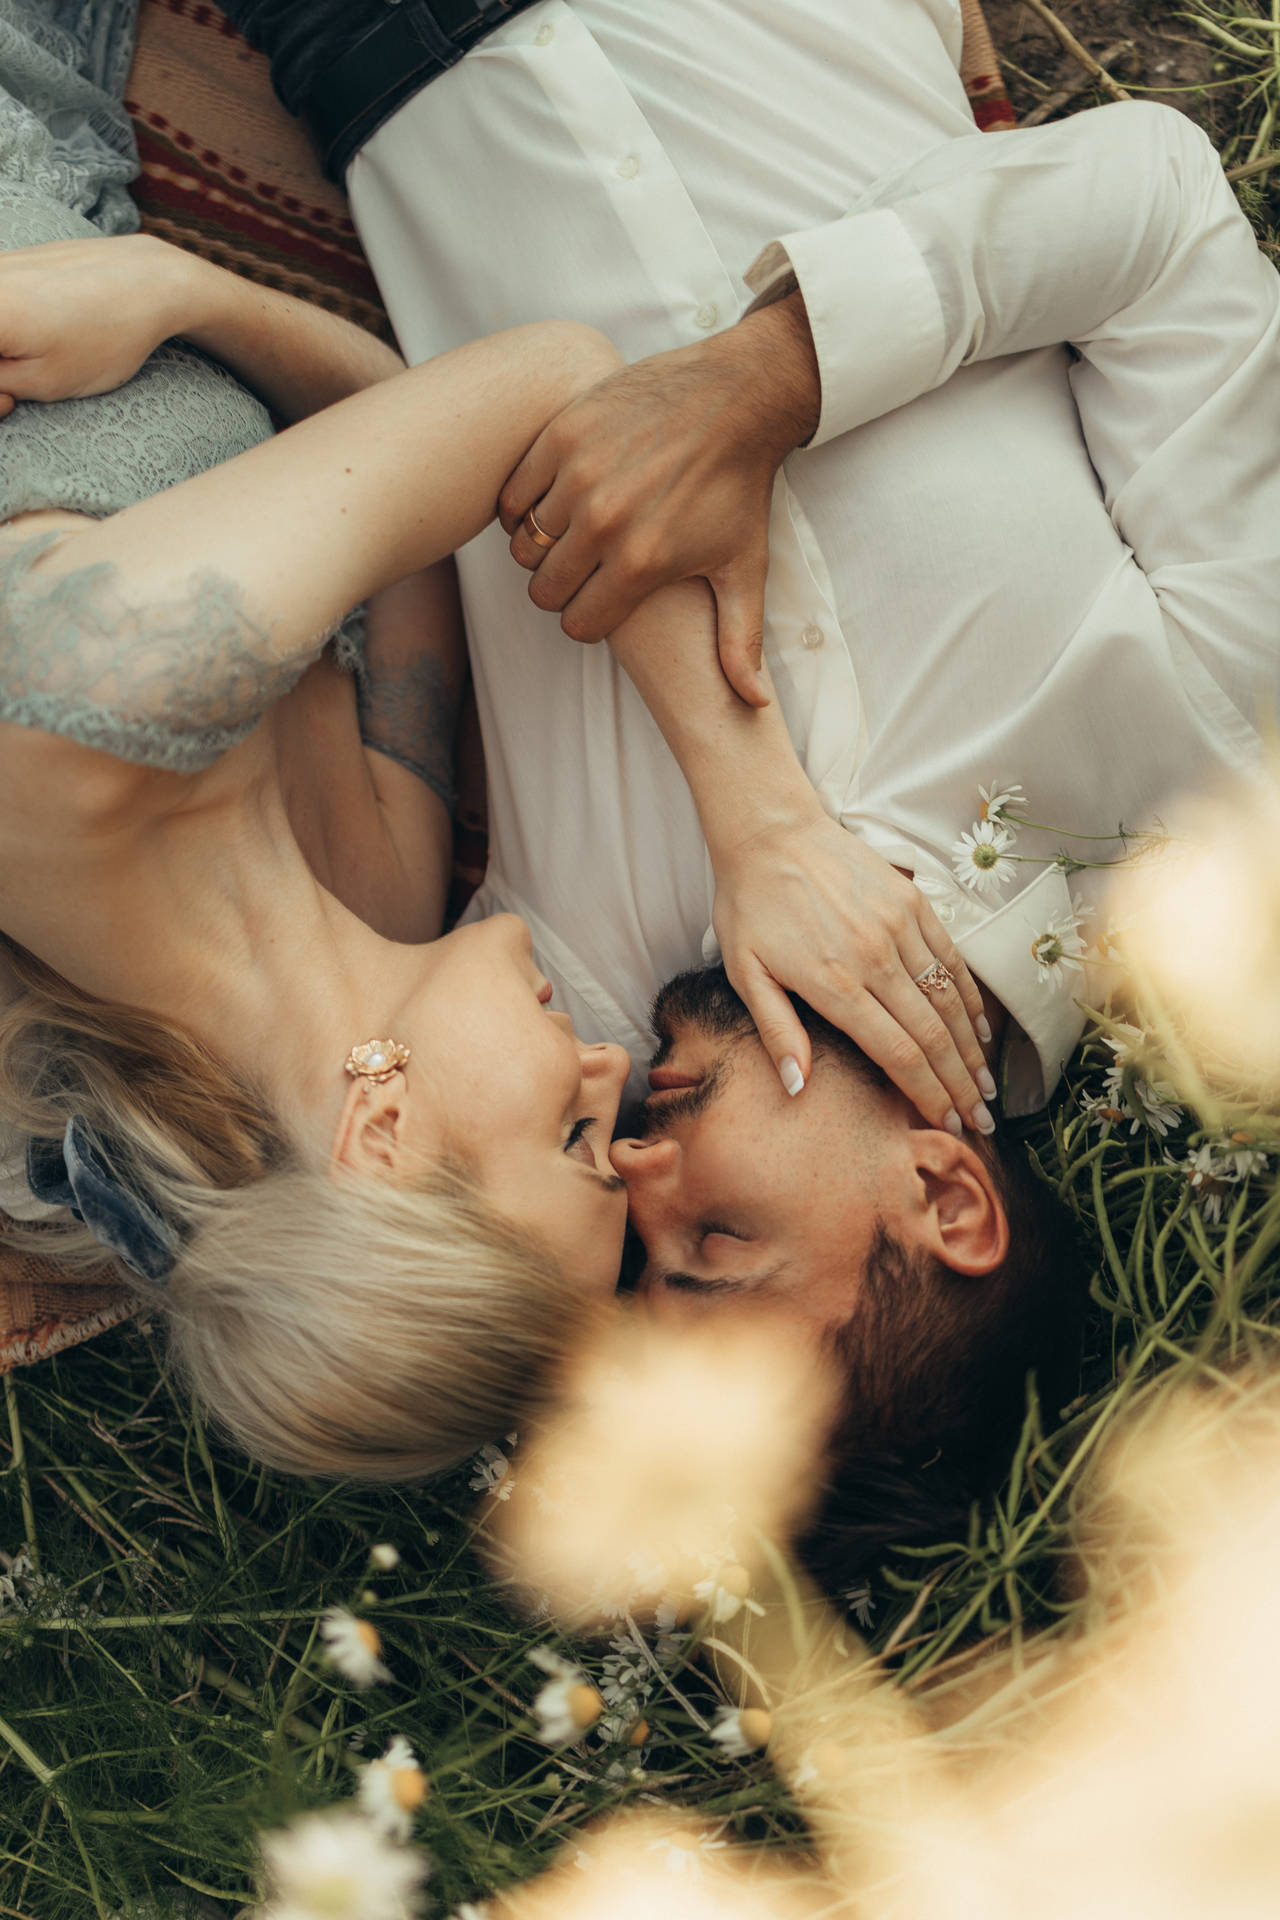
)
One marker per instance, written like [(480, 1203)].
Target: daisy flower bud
[(385, 1558)]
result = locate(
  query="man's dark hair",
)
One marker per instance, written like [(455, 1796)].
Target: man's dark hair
[(935, 1366), (934, 1363)]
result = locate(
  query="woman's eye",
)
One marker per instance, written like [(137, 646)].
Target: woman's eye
[(712, 1230), (577, 1141)]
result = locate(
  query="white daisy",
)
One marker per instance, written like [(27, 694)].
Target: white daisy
[(997, 800), (1057, 951), (568, 1705), (491, 1472), (353, 1646), (392, 1789), (859, 1602), (1146, 1103), (741, 1730), (727, 1594), (338, 1866), (1244, 1155), (385, 1558), (980, 858), (1105, 1110)]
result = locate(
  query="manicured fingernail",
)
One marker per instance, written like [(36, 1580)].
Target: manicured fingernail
[(954, 1124), (982, 1120), (790, 1074), (982, 1027), (986, 1083)]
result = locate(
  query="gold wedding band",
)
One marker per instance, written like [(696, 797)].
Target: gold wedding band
[(539, 535), (935, 979)]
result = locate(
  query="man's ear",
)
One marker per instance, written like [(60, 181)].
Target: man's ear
[(962, 1220), (369, 1137)]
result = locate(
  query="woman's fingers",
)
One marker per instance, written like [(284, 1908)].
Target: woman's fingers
[(781, 1033), (937, 1024), (7, 404), (943, 948), (948, 1003)]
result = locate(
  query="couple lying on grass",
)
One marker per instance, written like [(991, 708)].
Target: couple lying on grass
[(371, 1172)]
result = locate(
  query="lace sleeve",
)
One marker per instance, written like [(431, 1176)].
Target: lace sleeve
[(167, 684)]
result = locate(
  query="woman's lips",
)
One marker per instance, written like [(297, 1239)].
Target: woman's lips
[(670, 1079)]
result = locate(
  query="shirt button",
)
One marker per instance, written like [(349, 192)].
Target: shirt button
[(629, 168), (812, 637), (545, 35), (944, 911), (707, 316)]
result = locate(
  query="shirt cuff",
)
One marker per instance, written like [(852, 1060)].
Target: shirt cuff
[(874, 314)]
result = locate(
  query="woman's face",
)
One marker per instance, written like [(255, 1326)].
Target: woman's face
[(503, 1084)]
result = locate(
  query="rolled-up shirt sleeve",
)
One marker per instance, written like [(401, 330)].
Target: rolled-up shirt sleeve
[(1003, 243)]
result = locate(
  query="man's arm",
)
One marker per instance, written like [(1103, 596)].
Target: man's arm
[(1114, 230)]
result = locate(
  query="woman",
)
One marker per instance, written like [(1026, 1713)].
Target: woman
[(364, 1168)]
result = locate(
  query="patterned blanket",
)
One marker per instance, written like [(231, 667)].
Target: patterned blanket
[(227, 174)]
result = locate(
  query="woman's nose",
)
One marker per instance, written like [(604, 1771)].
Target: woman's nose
[(514, 932)]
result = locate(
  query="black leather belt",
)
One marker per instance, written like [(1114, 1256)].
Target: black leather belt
[(416, 42)]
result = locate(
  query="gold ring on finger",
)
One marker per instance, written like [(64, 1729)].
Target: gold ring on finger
[(539, 535), (935, 978)]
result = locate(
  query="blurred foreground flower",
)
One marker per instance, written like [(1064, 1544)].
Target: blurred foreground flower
[(1205, 934), (336, 1866), (392, 1789), (353, 1646), (665, 1866), (676, 1454)]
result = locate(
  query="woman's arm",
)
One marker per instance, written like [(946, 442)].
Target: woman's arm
[(801, 905), (189, 614)]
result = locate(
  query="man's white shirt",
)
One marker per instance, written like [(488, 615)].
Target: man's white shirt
[(999, 559)]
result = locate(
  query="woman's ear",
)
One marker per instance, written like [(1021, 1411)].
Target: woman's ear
[(963, 1223), (369, 1137)]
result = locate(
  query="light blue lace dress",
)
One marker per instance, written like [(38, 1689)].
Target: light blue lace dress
[(71, 660)]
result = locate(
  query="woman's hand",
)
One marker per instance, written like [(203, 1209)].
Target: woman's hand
[(807, 907), (80, 316)]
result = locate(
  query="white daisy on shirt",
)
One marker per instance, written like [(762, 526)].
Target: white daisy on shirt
[(1058, 951), (981, 858), (997, 801)]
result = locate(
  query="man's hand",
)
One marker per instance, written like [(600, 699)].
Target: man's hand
[(665, 472)]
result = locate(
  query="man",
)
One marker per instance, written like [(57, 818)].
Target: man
[(995, 556)]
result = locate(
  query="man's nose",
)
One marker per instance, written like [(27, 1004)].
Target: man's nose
[(606, 1063), (645, 1165)]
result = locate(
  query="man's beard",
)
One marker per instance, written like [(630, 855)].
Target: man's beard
[(703, 999)]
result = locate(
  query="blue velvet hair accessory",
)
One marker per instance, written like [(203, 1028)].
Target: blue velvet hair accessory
[(73, 1172)]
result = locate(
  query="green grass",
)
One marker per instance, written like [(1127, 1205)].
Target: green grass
[(161, 1693)]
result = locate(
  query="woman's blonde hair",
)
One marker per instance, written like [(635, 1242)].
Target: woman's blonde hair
[(358, 1327)]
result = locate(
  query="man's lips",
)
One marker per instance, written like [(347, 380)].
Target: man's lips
[(671, 1080)]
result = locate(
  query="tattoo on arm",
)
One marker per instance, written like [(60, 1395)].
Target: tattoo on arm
[(410, 713), (166, 682)]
